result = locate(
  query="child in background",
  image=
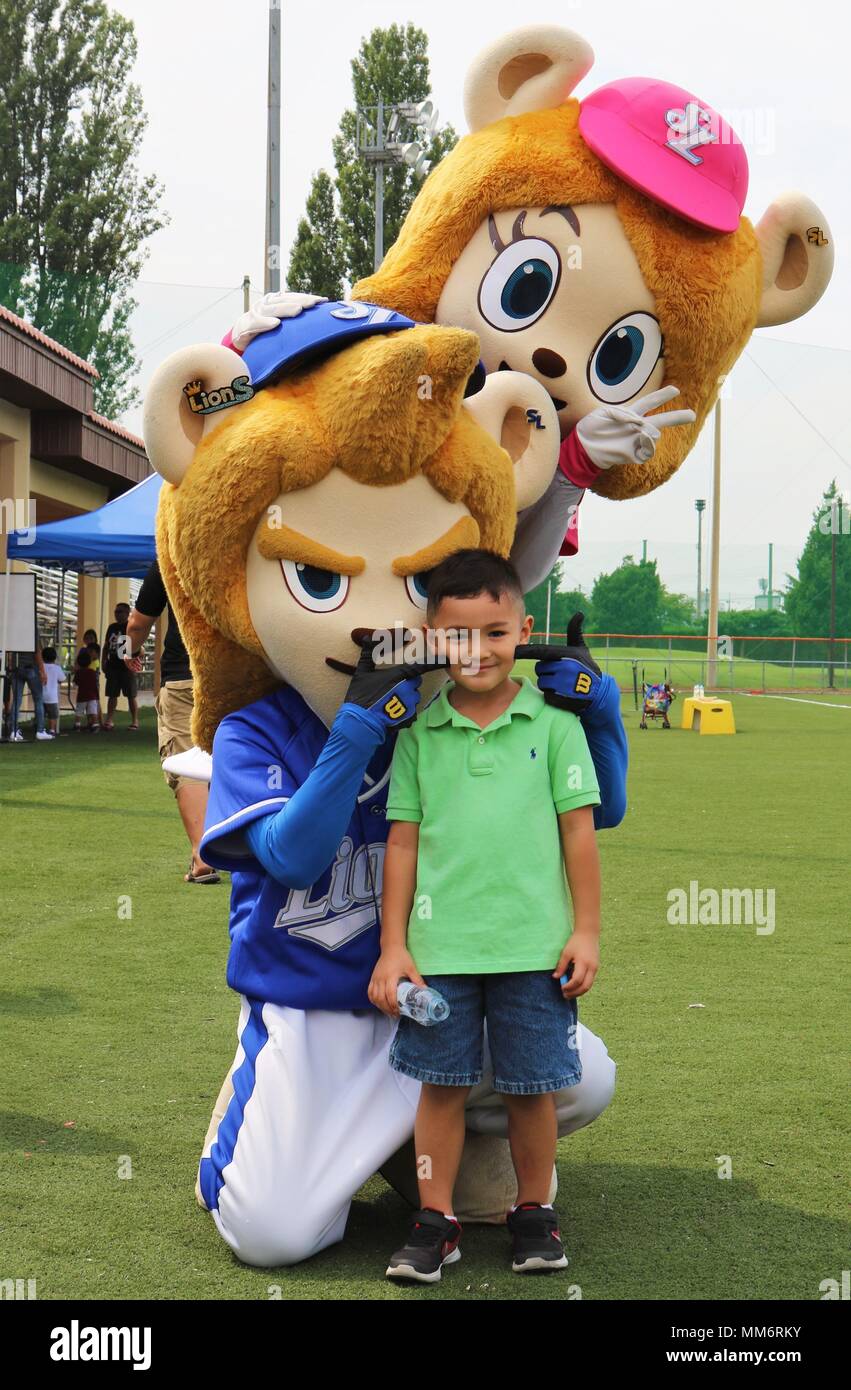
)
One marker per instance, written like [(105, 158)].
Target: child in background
[(93, 649), (87, 702), (491, 797), (55, 677)]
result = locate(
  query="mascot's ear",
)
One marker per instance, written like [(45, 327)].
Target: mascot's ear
[(529, 69), (797, 258), (517, 412), (171, 429)]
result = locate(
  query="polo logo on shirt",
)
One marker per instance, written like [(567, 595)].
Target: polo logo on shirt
[(533, 752), (394, 708)]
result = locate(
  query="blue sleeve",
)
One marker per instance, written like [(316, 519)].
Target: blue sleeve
[(606, 737), (296, 842)]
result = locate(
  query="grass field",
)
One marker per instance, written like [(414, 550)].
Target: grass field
[(117, 1031)]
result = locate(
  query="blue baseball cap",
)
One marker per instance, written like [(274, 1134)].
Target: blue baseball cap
[(315, 333)]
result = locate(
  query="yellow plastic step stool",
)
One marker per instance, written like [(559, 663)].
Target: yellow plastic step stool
[(708, 716)]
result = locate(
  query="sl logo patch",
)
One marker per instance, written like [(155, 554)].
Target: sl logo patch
[(583, 683), (394, 709)]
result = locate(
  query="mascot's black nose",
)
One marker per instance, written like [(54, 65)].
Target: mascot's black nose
[(548, 363)]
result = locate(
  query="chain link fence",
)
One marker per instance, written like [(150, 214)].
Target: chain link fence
[(743, 663)]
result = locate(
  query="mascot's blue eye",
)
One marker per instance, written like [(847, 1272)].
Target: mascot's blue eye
[(417, 587), (527, 289), (624, 358), (317, 589), (519, 284), (619, 354)]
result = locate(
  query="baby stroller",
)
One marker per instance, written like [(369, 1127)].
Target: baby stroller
[(657, 701)]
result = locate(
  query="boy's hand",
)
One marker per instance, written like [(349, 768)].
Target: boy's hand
[(583, 952), (391, 967)]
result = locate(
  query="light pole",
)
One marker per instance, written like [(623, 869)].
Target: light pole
[(835, 517), (272, 271), (380, 145), (715, 553), (700, 507)]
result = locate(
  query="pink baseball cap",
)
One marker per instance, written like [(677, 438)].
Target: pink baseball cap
[(669, 144)]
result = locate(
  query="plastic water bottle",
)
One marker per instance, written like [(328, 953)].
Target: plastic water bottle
[(421, 1004)]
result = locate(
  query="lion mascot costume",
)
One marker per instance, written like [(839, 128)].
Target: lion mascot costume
[(295, 517)]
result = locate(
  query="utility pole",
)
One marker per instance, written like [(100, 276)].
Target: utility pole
[(549, 602), (246, 293), (378, 254), (700, 507), (834, 527), (644, 552), (770, 574), (715, 561), (272, 272)]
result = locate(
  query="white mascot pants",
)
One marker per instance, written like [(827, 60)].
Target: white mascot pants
[(312, 1108)]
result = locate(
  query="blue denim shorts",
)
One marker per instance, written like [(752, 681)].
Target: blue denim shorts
[(531, 1032)]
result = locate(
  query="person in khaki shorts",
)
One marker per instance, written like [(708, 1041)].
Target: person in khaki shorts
[(174, 711)]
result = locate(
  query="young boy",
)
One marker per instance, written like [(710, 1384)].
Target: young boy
[(491, 798), (55, 677), (87, 702)]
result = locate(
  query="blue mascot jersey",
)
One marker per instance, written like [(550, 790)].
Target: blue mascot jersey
[(309, 948)]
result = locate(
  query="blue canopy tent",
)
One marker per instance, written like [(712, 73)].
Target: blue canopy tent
[(115, 541)]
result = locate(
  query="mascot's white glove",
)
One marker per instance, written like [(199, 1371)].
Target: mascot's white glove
[(280, 304), (613, 435)]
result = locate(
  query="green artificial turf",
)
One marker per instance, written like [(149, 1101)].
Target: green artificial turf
[(117, 1031)]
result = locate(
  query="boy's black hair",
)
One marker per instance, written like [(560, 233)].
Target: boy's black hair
[(84, 659), (467, 573), (48, 653)]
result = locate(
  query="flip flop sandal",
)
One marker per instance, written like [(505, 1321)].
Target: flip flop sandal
[(211, 877)]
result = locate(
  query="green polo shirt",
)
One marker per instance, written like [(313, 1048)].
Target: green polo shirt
[(491, 892)]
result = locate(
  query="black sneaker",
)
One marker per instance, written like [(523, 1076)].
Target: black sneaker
[(432, 1243), (537, 1243)]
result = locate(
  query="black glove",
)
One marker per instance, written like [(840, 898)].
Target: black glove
[(568, 675), (389, 693)]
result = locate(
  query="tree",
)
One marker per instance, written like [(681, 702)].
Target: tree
[(563, 604), (808, 595), (391, 64), (677, 612), (630, 599), (74, 209), (316, 263)]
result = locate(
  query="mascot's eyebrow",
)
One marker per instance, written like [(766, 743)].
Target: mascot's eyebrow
[(282, 543), (463, 535), (567, 213), (517, 232)]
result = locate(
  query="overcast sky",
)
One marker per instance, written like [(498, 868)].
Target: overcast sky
[(778, 71)]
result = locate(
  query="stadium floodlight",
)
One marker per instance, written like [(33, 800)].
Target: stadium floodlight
[(379, 144), (422, 114)]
